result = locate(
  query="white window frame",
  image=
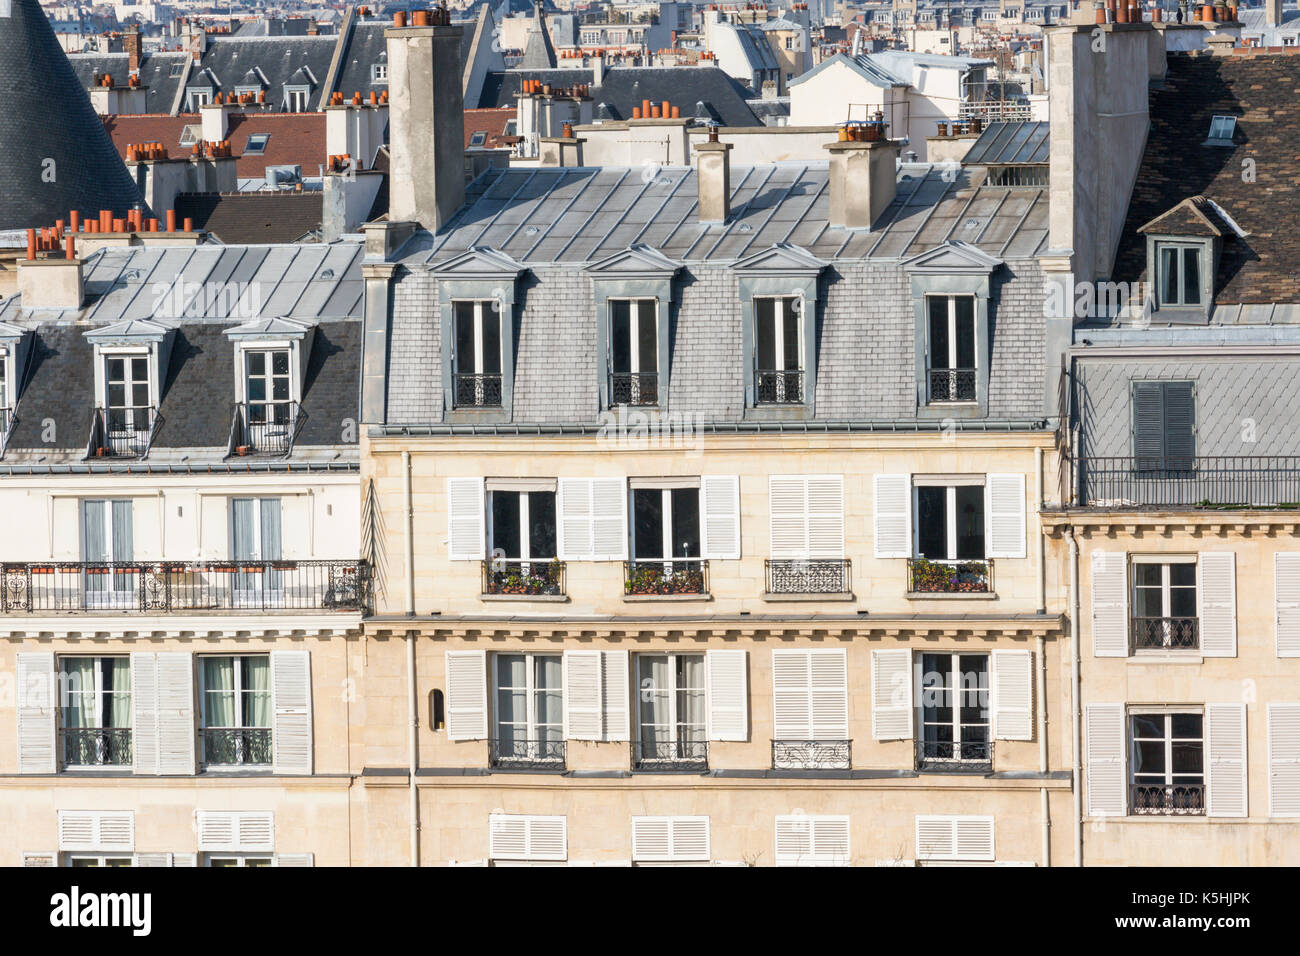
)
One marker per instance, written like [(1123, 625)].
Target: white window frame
[(241, 860), (951, 299), (953, 674), (672, 691), (97, 692), (1182, 248), (269, 351), (111, 595), (196, 99), (666, 536), (778, 346), (379, 73), (297, 98), (1165, 561), (531, 723), (950, 515), (634, 320), (130, 410), (238, 692), (1166, 711), (263, 139), (101, 859), (525, 523), (483, 309), (1226, 126), (266, 586)]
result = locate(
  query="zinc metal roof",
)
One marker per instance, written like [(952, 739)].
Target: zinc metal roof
[(1022, 143)]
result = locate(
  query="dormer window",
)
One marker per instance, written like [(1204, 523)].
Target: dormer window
[(633, 352), (267, 388), (296, 98), (778, 350), (477, 358), (271, 357), (379, 73), (194, 99), (1179, 271), (950, 348), (128, 410)]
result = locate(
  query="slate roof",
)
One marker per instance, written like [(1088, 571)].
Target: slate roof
[(253, 217), (539, 53), (155, 74), (278, 57)]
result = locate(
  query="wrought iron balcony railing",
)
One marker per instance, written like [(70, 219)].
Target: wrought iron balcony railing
[(673, 576), (1183, 799), (534, 577), (236, 746), (778, 387), (949, 577), (7, 421), (265, 429), (1177, 633), (949, 756), (952, 385), (96, 747), (122, 432), (180, 586), (809, 576), (811, 755), (683, 755), (1226, 482), (477, 390), (521, 753), (634, 388)]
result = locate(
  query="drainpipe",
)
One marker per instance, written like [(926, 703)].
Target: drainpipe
[(1077, 753), (1042, 749), (413, 710), (1042, 547)]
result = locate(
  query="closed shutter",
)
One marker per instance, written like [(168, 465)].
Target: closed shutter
[(465, 537), (791, 707), (830, 695), (466, 695), (583, 682), (294, 859), (144, 703), (592, 519), (97, 830), (807, 516), (720, 520), (825, 510), (1217, 600), (37, 702), (1286, 603), (1164, 424), (1148, 424), (803, 840), (1103, 726), (1284, 760), (153, 859), (670, 839), (891, 694), (954, 838), (728, 676), (291, 734), (518, 837), (616, 695), (787, 521), (1110, 604), (1013, 695), (1225, 739), (574, 509), (244, 831), (810, 697), (1180, 424), (176, 730), (1005, 506), (893, 516)]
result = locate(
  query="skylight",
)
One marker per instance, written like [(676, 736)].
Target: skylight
[(256, 144), (1222, 128)]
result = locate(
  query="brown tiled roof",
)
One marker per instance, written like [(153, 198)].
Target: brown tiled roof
[(296, 139), (492, 122), (252, 218), (1262, 91), (1191, 217)]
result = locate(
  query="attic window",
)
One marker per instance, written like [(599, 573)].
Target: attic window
[(379, 73), (1221, 130), (478, 138), (191, 134), (256, 144), (177, 69)]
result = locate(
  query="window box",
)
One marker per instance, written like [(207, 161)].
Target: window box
[(949, 577), (665, 577), (537, 577)]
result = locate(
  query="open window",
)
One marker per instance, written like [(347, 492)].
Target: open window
[(779, 357), (235, 691), (95, 712), (633, 352), (666, 544), (477, 357), (522, 539)]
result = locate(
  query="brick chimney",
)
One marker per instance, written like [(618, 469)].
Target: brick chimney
[(131, 41), (713, 170), (862, 181)]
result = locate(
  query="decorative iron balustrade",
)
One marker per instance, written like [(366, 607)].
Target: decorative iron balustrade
[(265, 428), (1179, 633), (1169, 799), (683, 755), (634, 388), (1228, 481), (527, 753), (96, 746), (952, 385), (809, 576), (533, 577), (995, 111), (177, 586), (673, 576), (955, 756), (236, 746), (477, 390), (122, 432), (778, 387), (949, 577), (811, 755)]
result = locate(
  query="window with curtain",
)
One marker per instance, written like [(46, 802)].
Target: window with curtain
[(529, 707), (236, 698), (108, 541), (671, 707), (255, 542), (95, 711)]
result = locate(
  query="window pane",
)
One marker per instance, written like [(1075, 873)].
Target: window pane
[(790, 333), (139, 369), (1168, 275), (970, 522), (491, 340), (116, 369), (1191, 276), (620, 338), (686, 522), (464, 312), (765, 334), (647, 336), (541, 524), (939, 342), (505, 524), (1148, 725), (1187, 757), (1186, 726), (965, 331), (647, 509), (256, 363), (932, 522), (1149, 756), (280, 363)]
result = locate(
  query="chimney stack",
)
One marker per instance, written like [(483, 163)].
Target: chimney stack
[(713, 170), (131, 41), (863, 180), (1273, 12)]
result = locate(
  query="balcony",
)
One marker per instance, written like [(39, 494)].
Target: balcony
[(508, 577), (778, 387), (1165, 633), (122, 432), (674, 577), (184, 586), (948, 756), (809, 576), (811, 755), (519, 753), (1167, 799), (264, 429), (7, 421), (633, 388), (952, 385), (96, 747), (477, 391), (949, 577), (686, 756), (236, 746), (1223, 482)]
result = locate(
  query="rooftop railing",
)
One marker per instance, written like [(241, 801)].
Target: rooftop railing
[(1226, 481)]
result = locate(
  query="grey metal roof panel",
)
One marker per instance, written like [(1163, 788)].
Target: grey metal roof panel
[(1010, 144)]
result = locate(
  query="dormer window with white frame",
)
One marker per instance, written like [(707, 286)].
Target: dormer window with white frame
[(477, 356), (296, 98), (779, 361), (633, 352), (1179, 268), (270, 363), (379, 74), (194, 99), (129, 366), (950, 348)]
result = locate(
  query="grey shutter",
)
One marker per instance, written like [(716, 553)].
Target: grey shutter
[(1164, 425), (1179, 425), (1148, 424)]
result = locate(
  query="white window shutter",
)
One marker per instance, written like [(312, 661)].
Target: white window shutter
[(176, 729), (1104, 748), (1225, 766), (465, 516), (37, 708), (185, 859), (294, 859), (825, 511), (791, 705), (830, 694), (467, 695), (244, 831), (573, 505), (830, 840), (728, 680), (670, 839), (291, 733), (787, 517), (97, 830), (144, 720), (891, 694), (1110, 604), (1286, 600), (1217, 600), (1004, 497), (1284, 760), (1013, 695), (973, 837), (616, 695), (803, 840), (690, 837), (153, 859), (520, 837), (216, 830), (609, 519), (893, 516), (720, 518), (954, 838), (583, 707)]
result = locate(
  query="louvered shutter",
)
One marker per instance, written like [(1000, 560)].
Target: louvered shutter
[(954, 838), (1179, 425), (893, 516), (97, 830), (1104, 747), (788, 522), (609, 519), (830, 695), (244, 831), (973, 837), (153, 859), (803, 840), (294, 859), (465, 516), (825, 511), (690, 837), (793, 841), (1110, 604), (1004, 503), (1013, 695), (720, 518), (1284, 760), (574, 526), (176, 730), (518, 837), (216, 830), (791, 705), (583, 681), (37, 704), (144, 704), (1164, 424), (1225, 766), (291, 734), (1148, 424), (728, 678), (466, 695), (830, 840), (616, 695), (255, 831), (185, 859), (891, 694), (1286, 603), (1216, 598), (670, 839)]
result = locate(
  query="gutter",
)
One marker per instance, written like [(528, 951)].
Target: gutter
[(200, 468), (670, 424)]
